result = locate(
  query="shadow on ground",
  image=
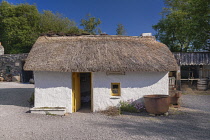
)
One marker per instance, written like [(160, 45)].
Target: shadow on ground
[(187, 125), (191, 121), (15, 96)]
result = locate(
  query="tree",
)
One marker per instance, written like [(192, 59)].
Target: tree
[(21, 25), (18, 27), (120, 30), (185, 25), (56, 23), (76, 31), (90, 24)]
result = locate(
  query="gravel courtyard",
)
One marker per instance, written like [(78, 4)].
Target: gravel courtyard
[(192, 121)]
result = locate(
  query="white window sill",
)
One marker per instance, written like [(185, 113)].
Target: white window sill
[(115, 97)]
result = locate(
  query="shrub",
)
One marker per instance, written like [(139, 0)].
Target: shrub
[(31, 99), (131, 106)]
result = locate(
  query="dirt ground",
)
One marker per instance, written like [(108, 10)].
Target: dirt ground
[(188, 88)]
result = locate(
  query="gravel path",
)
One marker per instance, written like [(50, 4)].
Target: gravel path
[(198, 102), (192, 121)]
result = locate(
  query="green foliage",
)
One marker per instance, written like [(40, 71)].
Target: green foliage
[(185, 25), (31, 100), (120, 30), (90, 24), (131, 106), (56, 23), (21, 25), (76, 31), (48, 113), (18, 27), (127, 107)]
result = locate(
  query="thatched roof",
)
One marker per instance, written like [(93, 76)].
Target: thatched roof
[(99, 53)]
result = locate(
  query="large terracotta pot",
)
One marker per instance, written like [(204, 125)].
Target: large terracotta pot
[(174, 98), (157, 104)]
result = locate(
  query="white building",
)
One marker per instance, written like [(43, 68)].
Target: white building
[(1, 49), (96, 71)]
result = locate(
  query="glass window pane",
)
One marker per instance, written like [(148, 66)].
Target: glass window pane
[(115, 86)]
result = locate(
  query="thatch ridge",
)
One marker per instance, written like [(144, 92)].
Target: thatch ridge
[(92, 53)]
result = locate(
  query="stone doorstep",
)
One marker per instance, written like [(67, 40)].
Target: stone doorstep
[(48, 110)]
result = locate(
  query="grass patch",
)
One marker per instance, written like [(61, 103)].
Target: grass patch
[(185, 93), (128, 108), (48, 113), (31, 99), (51, 108), (175, 111), (202, 92)]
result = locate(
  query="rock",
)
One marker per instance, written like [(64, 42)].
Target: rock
[(152, 115), (66, 114), (166, 114), (1, 79), (31, 81)]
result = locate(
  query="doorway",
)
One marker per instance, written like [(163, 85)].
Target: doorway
[(26, 75), (81, 92)]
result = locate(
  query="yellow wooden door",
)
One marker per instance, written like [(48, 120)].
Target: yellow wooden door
[(76, 97)]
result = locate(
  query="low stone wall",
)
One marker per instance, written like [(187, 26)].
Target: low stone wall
[(12, 65)]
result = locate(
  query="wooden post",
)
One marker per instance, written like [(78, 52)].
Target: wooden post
[(178, 78), (200, 73)]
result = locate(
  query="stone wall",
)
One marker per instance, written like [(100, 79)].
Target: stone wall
[(12, 64)]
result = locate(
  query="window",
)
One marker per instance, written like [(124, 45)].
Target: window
[(8, 69), (115, 89)]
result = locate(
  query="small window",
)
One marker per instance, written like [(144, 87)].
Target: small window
[(115, 89), (8, 69)]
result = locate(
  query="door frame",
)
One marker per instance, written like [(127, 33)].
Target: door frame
[(75, 90), (74, 93)]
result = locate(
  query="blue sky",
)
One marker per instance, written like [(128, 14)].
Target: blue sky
[(137, 16)]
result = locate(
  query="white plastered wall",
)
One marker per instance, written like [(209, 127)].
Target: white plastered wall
[(134, 85), (53, 89)]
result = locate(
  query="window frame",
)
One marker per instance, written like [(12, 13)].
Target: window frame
[(119, 89)]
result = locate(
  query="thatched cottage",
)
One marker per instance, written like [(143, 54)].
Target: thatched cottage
[(97, 71)]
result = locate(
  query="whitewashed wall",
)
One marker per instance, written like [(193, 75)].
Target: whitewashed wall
[(53, 89), (134, 85)]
